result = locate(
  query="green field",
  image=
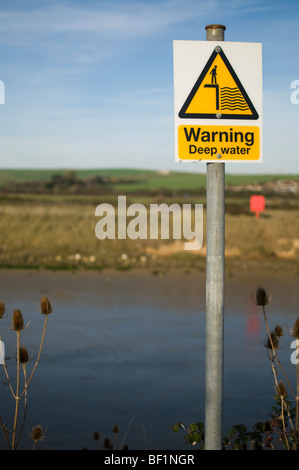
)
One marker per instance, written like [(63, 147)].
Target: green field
[(132, 180)]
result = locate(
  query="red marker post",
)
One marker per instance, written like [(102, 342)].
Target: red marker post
[(257, 205)]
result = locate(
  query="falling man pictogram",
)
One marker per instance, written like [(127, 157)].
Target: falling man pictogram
[(214, 74)]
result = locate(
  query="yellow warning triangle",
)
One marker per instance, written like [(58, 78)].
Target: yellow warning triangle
[(218, 93)]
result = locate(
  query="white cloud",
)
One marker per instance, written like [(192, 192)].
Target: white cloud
[(121, 19), (117, 19)]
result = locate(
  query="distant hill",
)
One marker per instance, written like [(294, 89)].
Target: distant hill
[(134, 180)]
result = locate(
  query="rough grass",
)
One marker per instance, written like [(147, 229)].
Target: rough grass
[(61, 235)]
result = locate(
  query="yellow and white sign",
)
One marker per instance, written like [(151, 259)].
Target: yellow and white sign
[(218, 101)]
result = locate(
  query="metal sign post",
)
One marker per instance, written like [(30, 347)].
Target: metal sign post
[(218, 119), (214, 290)]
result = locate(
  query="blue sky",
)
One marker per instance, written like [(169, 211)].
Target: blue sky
[(90, 84)]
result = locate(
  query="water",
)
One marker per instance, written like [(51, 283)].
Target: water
[(128, 348)]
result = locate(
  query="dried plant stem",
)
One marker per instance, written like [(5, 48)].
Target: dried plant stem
[(13, 437), (38, 356), (5, 432), (34, 445), (273, 369), (25, 403), (283, 422), (127, 430), (274, 352), (281, 398), (9, 382), (17, 398)]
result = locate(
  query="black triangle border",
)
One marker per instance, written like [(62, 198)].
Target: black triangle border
[(183, 115)]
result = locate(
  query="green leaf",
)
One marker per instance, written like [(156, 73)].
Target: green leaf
[(200, 426), (259, 426), (193, 427), (176, 427), (241, 428)]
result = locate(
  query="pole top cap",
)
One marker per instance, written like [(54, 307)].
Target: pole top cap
[(215, 26)]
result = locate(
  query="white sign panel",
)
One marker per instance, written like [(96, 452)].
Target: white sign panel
[(218, 101)]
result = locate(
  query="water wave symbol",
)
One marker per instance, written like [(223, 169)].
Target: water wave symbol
[(232, 99)]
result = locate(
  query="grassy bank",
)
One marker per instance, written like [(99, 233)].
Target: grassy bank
[(58, 232)]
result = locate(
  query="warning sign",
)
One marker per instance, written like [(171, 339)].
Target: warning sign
[(218, 101), (232, 143), (218, 90)]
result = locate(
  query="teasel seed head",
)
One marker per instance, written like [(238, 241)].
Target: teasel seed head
[(37, 433), (281, 389), (2, 309), (278, 331), (17, 320), (295, 331), (107, 443), (45, 306), (23, 355), (275, 341), (115, 429), (262, 298), (96, 436)]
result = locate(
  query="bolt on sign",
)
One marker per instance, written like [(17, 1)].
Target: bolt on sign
[(218, 101)]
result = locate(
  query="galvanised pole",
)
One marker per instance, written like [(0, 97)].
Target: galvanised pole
[(215, 230)]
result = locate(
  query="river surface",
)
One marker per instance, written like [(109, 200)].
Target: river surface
[(128, 348)]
